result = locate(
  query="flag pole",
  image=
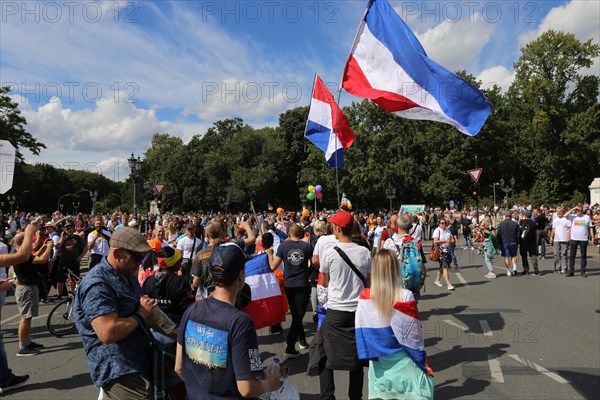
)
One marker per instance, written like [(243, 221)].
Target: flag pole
[(309, 103), (337, 167)]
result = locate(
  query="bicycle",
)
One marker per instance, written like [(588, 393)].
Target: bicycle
[(61, 320)]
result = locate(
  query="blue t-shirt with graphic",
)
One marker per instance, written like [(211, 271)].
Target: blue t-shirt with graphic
[(220, 347), (104, 291)]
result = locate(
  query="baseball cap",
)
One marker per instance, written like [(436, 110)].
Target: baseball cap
[(129, 239), (527, 213), (343, 219), (50, 225), (69, 225), (227, 260)]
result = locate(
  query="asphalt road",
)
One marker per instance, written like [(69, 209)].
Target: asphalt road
[(508, 338)]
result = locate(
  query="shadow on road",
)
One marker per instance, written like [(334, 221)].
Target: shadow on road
[(585, 380), (469, 389), (73, 382)]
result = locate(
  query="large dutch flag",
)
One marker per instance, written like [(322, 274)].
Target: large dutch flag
[(266, 306), (327, 126), (376, 338), (388, 65)]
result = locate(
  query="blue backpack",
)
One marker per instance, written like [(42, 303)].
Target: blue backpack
[(413, 274)]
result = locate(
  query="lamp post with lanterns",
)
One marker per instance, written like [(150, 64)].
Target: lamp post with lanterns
[(135, 165)]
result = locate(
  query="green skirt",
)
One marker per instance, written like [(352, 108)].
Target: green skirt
[(396, 376)]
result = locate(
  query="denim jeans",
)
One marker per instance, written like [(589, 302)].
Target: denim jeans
[(573, 250), (488, 255), (560, 256), (454, 260), (5, 372), (468, 239), (541, 243)]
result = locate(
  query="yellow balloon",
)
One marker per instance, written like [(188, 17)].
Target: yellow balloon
[(311, 189)]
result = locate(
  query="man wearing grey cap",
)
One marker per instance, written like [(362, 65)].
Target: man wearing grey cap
[(217, 348), (528, 242), (107, 298)]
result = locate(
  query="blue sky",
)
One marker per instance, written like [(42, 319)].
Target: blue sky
[(75, 66)]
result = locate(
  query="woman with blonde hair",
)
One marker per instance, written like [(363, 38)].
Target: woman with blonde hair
[(172, 233), (389, 335)]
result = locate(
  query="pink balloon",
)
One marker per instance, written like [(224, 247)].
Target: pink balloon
[(319, 195)]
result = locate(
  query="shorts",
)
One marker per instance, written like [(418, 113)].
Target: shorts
[(509, 249), (28, 300)]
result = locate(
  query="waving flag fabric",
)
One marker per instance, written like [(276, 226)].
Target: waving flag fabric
[(327, 127), (388, 65), (375, 338), (266, 306)]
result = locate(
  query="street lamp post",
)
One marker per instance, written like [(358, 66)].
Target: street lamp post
[(11, 201), (60, 206), (94, 197), (135, 165), (390, 193), (494, 185), (303, 200), (507, 189), (76, 206), (120, 199), (60, 198)]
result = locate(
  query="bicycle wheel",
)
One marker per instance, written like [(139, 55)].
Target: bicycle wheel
[(60, 321)]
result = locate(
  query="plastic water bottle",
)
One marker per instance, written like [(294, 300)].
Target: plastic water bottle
[(162, 320), (273, 369)]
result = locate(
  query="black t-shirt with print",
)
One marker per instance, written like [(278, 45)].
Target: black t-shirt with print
[(295, 256)]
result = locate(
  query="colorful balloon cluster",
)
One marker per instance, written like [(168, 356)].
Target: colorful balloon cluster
[(314, 191)]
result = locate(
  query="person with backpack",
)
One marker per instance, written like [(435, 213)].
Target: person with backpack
[(528, 242), (407, 250)]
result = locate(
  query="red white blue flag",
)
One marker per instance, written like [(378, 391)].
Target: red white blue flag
[(388, 65), (327, 126), (266, 307)]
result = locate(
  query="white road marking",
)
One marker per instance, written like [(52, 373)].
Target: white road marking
[(17, 316), (459, 326), (495, 369), (539, 368), (10, 319), (460, 278), (485, 327)]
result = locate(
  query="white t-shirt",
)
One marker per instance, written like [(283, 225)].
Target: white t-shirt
[(580, 227), (185, 246), (377, 235), (101, 245), (561, 226), (344, 285), (416, 233), (443, 235), (3, 250), (323, 243)]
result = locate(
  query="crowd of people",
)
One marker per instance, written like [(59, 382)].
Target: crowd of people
[(190, 268)]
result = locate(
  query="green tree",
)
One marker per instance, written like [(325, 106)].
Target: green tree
[(12, 127)]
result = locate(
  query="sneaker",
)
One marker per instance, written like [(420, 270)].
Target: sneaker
[(291, 353), (465, 248), (438, 283), (536, 274), (508, 273), (524, 273), (14, 382), (303, 345), (276, 329), (490, 275), (584, 274), (561, 272), (472, 248), (450, 287), (35, 346), (568, 274), (26, 352)]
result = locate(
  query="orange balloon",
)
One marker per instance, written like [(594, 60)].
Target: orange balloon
[(305, 213), (280, 210)]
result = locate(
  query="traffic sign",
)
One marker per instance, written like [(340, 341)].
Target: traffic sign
[(159, 187), (7, 165), (475, 173)]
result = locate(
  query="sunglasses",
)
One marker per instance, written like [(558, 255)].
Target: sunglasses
[(136, 256), (442, 223)]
